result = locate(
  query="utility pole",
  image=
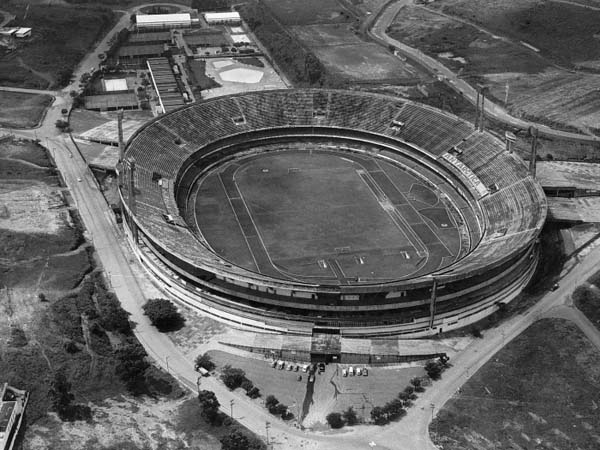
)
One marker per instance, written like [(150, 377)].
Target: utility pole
[(231, 402), (267, 426)]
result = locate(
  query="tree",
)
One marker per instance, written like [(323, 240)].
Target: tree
[(271, 400), (163, 314), (132, 367), (379, 416), (235, 440), (210, 405), (232, 377), (335, 420), (247, 385), (394, 409), (253, 393), (433, 369), (350, 416), (204, 361)]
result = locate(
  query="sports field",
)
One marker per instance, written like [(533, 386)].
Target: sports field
[(326, 216)]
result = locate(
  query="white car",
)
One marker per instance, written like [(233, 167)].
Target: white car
[(358, 371), (344, 372), (351, 371)]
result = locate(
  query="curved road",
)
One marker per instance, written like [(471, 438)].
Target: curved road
[(411, 433), (377, 32)]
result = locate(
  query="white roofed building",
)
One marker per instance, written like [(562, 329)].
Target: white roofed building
[(153, 21), (229, 18)]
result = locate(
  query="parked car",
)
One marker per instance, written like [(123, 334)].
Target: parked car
[(358, 371), (305, 368), (311, 378), (290, 367), (365, 372), (280, 365), (351, 371), (321, 367), (296, 367), (344, 372), (274, 363)]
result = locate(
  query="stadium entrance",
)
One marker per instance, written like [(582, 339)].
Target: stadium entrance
[(326, 346)]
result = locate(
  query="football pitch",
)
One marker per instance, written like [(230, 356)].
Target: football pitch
[(325, 216)]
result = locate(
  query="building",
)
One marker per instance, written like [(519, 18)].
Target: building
[(217, 18), (23, 33), (12, 407), (158, 21)]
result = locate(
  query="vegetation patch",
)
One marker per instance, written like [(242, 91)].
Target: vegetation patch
[(61, 36), (541, 388), (21, 110), (197, 72)]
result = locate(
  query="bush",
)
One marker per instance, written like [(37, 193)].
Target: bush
[(350, 416), (163, 314), (247, 385), (235, 440), (232, 377), (335, 420), (379, 416), (132, 366), (204, 361), (253, 393)]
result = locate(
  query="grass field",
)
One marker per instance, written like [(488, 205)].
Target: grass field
[(18, 110), (325, 216), (562, 32), (540, 391), (62, 35)]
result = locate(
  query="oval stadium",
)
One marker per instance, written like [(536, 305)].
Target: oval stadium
[(347, 212)]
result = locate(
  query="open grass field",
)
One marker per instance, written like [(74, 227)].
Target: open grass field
[(562, 32), (540, 391), (324, 216), (290, 12), (61, 36), (19, 110)]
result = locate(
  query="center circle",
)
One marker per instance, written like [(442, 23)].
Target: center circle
[(327, 213)]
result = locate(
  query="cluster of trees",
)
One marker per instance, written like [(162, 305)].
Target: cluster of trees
[(396, 408), (234, 378), (235, 439), (163, 314), (131, 367), (276, 408), (434, 369), (337, 420), (299, 64)]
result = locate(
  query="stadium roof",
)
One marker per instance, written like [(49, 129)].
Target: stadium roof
[(148, 19), (561, 174)]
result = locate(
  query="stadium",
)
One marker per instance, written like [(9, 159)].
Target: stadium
[(310, 211)]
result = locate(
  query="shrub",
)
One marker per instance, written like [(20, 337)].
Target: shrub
[(379, 416), (247, 385), (204, 361), (235, 440), (335, 420), (271, 400), (163, 314), (232, 377), (132, 366)]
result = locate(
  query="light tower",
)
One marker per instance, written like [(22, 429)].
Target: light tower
[(533, 132)]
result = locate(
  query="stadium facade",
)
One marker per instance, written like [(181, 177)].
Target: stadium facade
[(496, 205)]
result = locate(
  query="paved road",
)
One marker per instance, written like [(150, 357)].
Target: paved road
[(383, 20)]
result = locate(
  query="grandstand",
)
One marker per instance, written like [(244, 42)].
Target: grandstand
[(423, 225)]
